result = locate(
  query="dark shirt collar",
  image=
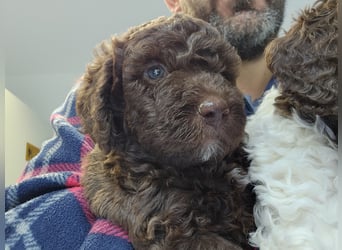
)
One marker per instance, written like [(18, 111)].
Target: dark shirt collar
[(251, 106)]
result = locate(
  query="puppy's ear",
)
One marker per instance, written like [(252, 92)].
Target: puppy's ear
[(100, 101)]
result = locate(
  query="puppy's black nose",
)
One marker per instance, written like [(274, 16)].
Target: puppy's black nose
[(213, 110)]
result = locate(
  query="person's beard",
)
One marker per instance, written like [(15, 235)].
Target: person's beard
[(249, 33)]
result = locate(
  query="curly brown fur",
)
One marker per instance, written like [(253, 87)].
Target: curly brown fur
[(164, 168), (305, 63)]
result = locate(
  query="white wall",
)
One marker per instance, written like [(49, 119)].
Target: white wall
[(2, 122), (292, 9), (22, 125), (2, 119)]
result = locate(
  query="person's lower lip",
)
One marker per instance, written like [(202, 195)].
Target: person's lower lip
[(244, 13)]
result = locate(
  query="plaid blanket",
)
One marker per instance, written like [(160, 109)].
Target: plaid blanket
[(46, 209)]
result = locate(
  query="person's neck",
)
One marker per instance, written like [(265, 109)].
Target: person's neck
[(254, 77)]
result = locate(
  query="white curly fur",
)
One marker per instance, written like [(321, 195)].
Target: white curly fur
[(295, 170)]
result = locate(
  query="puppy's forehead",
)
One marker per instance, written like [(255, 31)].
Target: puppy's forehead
[(174, 32), (179, 23)]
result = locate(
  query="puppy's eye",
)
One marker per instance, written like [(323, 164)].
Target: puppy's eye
[(155, 72)]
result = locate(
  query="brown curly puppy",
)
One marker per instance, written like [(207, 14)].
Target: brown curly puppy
[(161, 104)]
